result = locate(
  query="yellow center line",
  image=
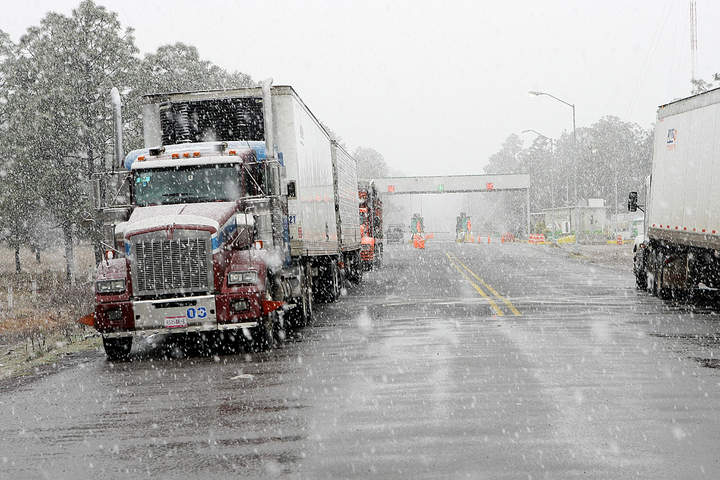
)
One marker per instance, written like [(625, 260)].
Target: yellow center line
[(492, 303), (507, 302)]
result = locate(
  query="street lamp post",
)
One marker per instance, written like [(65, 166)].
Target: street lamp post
[(571, 105)]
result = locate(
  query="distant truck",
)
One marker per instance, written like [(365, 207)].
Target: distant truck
[(677, 253), (371, 225), (463, 228), (241, 207)]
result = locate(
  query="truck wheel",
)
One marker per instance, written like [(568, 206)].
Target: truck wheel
[(329, 283), (355, 269), (117, 349), (640, 273), (303, 314), (378, 261), (335, 281), (641, 280), (661, 290), (264, 334), (652, 286)]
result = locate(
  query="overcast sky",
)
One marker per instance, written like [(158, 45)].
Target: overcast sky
[(437, 86)]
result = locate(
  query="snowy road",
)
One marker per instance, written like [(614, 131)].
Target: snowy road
[(471, 361)]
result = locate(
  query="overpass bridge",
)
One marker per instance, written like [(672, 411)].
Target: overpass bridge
[(441, 184)]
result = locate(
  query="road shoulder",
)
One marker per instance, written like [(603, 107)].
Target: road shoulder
[(22, 361)]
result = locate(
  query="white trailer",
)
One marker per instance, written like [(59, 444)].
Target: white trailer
[(305, 149), (679, 252), (346, 198)]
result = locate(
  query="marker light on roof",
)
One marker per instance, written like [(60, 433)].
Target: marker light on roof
[(186, 155), (196, 154), (141, 158), (232, 152), (175, 155)]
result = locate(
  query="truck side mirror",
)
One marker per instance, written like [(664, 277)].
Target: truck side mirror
[(291, 189), (632, 202)]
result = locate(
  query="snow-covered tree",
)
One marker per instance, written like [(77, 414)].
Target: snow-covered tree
[(371, 163)]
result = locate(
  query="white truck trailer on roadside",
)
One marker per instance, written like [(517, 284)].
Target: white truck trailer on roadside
[(679, 252)]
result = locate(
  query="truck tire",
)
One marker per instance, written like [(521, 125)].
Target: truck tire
[(639, 269), (641, 280), (661, 290), (302, 314), (117, 349), (354, 268), (328, 282), (304, 310), (335, 281), (378, 260), (264, 334)]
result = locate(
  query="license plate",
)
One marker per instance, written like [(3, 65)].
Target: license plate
[(175, 312), (176, 321)]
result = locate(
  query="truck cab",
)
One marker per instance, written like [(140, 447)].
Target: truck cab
[(191, 256)]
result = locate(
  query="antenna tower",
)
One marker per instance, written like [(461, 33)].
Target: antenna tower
[(693, 39)]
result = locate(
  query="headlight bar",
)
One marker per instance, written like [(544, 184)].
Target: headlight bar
[(110, 286), (242, 278)]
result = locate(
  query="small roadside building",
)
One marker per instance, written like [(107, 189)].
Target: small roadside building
[(589, 216)]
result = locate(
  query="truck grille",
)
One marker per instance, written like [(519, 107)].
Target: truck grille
[(171, 266)]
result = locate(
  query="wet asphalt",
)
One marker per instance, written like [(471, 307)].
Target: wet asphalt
[(459, 361)]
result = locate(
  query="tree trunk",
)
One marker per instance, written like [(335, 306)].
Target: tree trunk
[(17, 259), (69, 253)]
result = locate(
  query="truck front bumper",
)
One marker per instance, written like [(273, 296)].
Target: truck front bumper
[(207, 313), (190, 329)]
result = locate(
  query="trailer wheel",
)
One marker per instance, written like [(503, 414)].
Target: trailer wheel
[(335, 281), (302, 314), (117, 349), (641, 280), (328, 282), (305, 309), (660, 289), (354, 268)]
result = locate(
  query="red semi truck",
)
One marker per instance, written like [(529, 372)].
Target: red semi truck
[(242, 211), (371, 227)]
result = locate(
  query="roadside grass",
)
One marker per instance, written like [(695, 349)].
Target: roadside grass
[(39, 309)]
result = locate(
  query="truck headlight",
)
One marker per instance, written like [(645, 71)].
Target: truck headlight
[(240, 278), (239, 305), (110, 286)]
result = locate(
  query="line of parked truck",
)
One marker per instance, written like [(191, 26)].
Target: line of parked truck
[(242, 211)]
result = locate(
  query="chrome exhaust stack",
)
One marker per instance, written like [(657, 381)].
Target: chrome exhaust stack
[(268, 119), (118, 155)]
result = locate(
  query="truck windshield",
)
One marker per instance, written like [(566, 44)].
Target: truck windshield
[(206, 183)]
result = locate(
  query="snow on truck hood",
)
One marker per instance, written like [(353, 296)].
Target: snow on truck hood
[(214, 215)]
